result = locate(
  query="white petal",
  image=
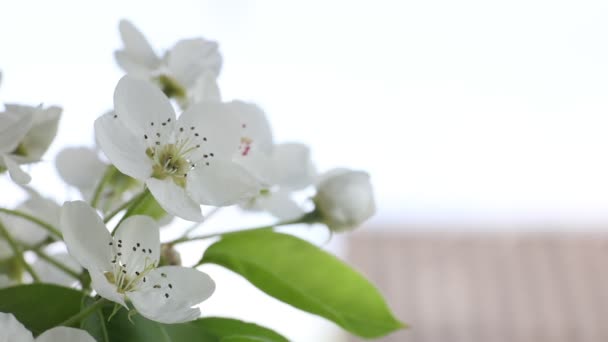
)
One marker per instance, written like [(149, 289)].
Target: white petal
[(174, 199), (280, 205), (190, 58), (139, 239), (136, 47), (44, 129), (86, 237), (221, 183), (143, 108), (172, 304), (14, 170), (124, 150), (13, 127), (12, 330), (5, 250), (49, 273), (65, 334), (294, 168), (103, 288), (219, 132), (80, 167), (26, 231), (205, 89), (255, 125)]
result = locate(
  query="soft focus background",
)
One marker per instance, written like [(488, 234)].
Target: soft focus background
[(484, 119)]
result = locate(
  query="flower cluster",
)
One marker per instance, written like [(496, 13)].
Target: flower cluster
[(170, 145)]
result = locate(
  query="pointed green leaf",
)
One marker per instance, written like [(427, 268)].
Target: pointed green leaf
[(303, 275)]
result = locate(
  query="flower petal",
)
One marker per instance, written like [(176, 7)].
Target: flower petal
[(26, 231), (124, 150), (177, 290), (221, 183), (174, 199), (255, 126), (144, 109), (49, 273), (190, 58), (103, 288), (65, 334), (15, 171), (13, 330), (280, 205), (43, 130), (80, 167), (13, 127), (205, 89), (294, 168), (86, 237), (219, 132), (139, 241), (136, 48)]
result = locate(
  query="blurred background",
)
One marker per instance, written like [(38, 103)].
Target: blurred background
[(482, 124)]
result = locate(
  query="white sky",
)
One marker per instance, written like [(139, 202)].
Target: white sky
[(467, 110), (461, 110)]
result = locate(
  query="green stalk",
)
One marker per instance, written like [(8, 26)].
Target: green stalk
[(132, 203), (102, 183), (124, 206), (33, 219), (18, 253), (303, 219), (57, 264), (84, 313)]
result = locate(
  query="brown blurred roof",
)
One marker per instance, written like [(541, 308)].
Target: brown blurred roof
[(488, 287)]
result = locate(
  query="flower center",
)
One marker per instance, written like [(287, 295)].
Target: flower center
[(127, 280), (170, 161)]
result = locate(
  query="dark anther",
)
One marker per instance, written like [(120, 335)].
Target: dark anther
[(156, 286), (110, 243), (166, 295), (164, 275), (192, 128), (145, 136), (136, 273), (181, 129), (204, 138), (164, 124), (158, 135), (119, 254), (170, 286), (134, 249), (138, 244), (124, 271), (196, 134), (149, 251), (115, 116)]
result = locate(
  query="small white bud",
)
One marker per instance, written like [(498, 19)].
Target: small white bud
[(345, 199)]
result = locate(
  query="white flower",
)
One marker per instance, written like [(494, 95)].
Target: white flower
[(283, 168), (345, 199), (25, 231), (80, 167), (50, 274), (125, 266), (25, 134), (188, 71), (185, 162), (13, 331)]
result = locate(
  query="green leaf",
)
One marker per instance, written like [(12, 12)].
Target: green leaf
[(303, 275), (147, 205), (40, 307), (212, 329), (223, 329)]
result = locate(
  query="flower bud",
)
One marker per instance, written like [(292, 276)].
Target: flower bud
[(345, 199)]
